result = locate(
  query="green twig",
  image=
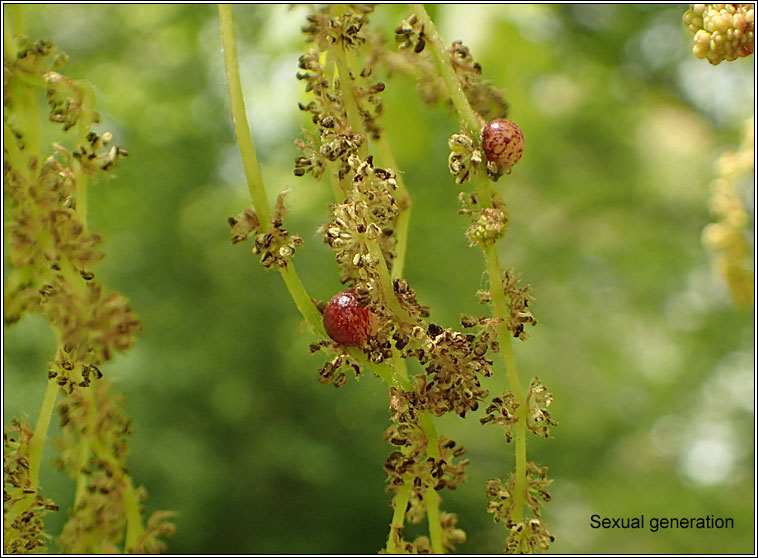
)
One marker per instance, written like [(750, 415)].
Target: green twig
[(291, 279), (432, 503), (356, 122), (302, 300), (405, 202), (400, 503), (37, 444), (351, 105), (499, 309), (134, 527), (386, 281), (400, 377), (472, 124), (239, 117), (431, 498), (469, 118)]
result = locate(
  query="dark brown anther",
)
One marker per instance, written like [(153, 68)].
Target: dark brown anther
[(469, 321), (434, 330), (47, 290)]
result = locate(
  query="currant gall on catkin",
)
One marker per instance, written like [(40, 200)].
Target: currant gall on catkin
[(503, 143), (345, 321)]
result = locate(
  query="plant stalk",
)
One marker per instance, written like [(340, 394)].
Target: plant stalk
[(253, 175), (472, 124), (239, 117), (469, 118)]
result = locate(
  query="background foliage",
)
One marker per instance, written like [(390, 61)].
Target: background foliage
[(650, 365)]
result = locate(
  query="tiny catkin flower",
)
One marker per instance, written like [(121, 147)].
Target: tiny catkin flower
[(489, 227), (538, 418), (464, 158), (527, 537), (503, 143)]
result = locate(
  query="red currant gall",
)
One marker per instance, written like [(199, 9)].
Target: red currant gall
[(503, 143), (345, 321)]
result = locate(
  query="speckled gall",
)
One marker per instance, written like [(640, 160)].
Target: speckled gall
[(345, 321), (503, 143)]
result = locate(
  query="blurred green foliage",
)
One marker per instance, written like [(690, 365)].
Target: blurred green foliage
[(650, 366)]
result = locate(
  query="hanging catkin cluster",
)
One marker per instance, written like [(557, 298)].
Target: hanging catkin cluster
[(52, 255)]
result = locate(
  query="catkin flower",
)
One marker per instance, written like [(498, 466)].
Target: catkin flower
[(464, 158), (538, 418), (528, 536)]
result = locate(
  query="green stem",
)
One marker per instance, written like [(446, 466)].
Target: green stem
[(401, 231), (431, 498), (295, 287), (470, 119), (36, 449), (9, 43), (400, 376), (432, 502), (386, 372), (16, 13), (80, 193), (351, 105), (28, 118), (500, 310), (87, 111), (401, 500), (37, 444), (405, 202), (472, 124), (239, 117), (15, 156), (432, 441), (301, 298), (134, 528), (84, 446), (386, 281), (356, 123), (354, 117), (385, 154), (86, 118)]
